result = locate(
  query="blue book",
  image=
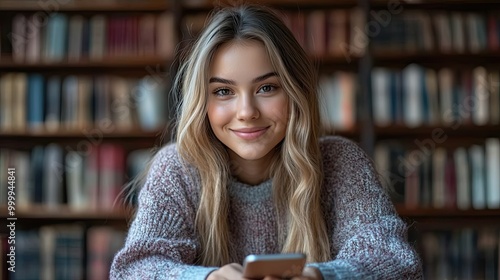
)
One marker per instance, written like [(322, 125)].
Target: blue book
[(35, 101), (27, 256), (56, 37), (53, 113)]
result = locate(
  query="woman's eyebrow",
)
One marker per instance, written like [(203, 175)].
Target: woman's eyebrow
[(230, 82)]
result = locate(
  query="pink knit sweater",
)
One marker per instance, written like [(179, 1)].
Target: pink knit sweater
[(367, 238)]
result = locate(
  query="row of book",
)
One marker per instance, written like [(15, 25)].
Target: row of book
[(417, 96), (56, 37), (461, 254), (34, 102), (88, 177), (322, 32), (62, 252), (429, 173), (424, 31)]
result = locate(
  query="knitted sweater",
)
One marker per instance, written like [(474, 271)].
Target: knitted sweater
[(367, 237)]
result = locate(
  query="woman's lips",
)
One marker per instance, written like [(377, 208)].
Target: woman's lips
[(250, 133)]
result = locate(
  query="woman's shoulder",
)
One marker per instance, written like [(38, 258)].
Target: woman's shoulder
[(167, 156), (338, 151), (167, 160), (338, 145)]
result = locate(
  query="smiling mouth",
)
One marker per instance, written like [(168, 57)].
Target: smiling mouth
[(250, 133)]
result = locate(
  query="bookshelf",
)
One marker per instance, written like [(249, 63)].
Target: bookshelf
[(80, 85), (341, 57)]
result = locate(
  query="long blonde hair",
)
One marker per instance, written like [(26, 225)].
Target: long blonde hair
[(296, 170)]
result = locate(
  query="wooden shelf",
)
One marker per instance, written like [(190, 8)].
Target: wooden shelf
[(41, 212), (133, 139), (134, 133), (118, 63), (205, 5), (465, 131), (434, 59), (429, 218), (440, 4), (39, 215), (85, 6)]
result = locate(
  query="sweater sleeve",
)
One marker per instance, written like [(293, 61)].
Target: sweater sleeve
[(369, 240), (161, 243)]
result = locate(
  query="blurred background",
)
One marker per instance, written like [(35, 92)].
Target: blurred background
[(85, 102)]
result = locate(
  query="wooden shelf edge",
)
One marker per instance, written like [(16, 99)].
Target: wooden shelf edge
[(7, 64), (42, 212), (437, 4), (134, 133), (205, 5), (466, 130), (447, 213), (85, 6), (397, 57)]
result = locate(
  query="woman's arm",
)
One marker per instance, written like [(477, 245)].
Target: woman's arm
[(368, 237), (161, 243)]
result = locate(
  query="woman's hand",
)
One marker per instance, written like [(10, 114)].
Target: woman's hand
[(309, 273), (234, 271)]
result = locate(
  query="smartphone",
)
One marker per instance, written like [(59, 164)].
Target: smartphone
[(278, 265)]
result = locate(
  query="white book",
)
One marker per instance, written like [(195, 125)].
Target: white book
[(34, 44), (438, 182), (326, 102), (381, 97), (478, 187), (412, 95), (493, 173), (150, 105), (480, 113), (462, 178), (445, 81), (74, 167)]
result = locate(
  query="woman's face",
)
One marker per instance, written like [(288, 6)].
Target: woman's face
[(247, 107)]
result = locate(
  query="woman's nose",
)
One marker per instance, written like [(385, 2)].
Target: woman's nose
[(247, 108)]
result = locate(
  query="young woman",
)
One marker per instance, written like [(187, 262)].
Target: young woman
[(249, 174)]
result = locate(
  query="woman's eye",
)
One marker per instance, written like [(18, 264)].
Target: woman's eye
[(267, 88), (222, 92)]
